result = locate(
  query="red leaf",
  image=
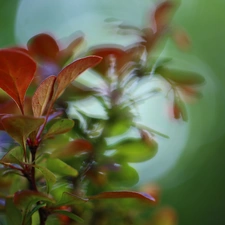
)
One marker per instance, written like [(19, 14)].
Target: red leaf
[(42, 96), (16, 73), (43, 47), (124, 194), (69, 73)]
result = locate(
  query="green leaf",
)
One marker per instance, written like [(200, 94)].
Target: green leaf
[(59, 167), (19, 127), (180, 77), (48, 175), (136, 150), (42, 96), (13, 214), (124, 194), (70, 199), (72, 71), (14, 155), (70, 215), (26, 198), (59, 126), (119, 127), (124, 175)]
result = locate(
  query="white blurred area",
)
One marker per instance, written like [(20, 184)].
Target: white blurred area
[(63, 18)]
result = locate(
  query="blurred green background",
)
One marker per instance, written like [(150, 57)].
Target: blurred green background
[(189, 166)]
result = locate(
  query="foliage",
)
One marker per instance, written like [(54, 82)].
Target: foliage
[(58, 162)]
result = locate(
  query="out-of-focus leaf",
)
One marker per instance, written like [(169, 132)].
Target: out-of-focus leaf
[(72, 71), (180, 77), (13, 214), (119, 127), (70, 199), (42, 96), (43, 47), (16, 73), (136, 150), (75, 147), (14, 155), (68, 52), (59, 167), (179, 109), (165, 216), (181, 39), (122, 58), (124, 194), (70, 215), (122, 175), (161, 15), (48, 175), (59, 126), (19, 127), (26, 198)]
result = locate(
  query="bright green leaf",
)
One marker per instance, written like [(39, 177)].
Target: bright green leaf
[(59, 167)]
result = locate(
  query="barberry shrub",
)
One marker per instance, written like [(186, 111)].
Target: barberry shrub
[(59, 157)]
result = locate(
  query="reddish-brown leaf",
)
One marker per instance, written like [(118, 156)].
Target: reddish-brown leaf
[(26, 198), (161, 15), (108, 54), (72, 71), (181, 39), (43, 47), (68, 52), (42, 96), (16, 73), (75, 147), (124, 194), (121, 57)]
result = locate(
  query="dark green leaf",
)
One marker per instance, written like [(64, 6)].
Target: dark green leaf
[(48, 175), (14, 155), (59, 126), (70, 199), (13, 214)]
